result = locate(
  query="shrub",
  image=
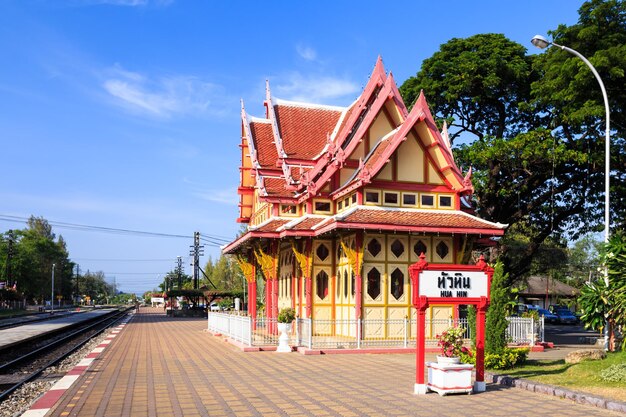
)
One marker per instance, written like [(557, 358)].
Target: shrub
[(506, 359), (286, 315), (614, 373)]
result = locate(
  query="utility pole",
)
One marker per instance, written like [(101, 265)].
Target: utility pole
[(196, 251), (77, 288), (9, 274), (52, 294), (179, 271)]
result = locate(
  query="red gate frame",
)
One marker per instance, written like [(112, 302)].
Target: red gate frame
[(421, 303)]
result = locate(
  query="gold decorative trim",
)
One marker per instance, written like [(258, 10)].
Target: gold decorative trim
[(304, 261), (267, 262), (355, 257), (246, 267)]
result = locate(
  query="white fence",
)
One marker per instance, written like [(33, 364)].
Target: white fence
[(355, 334)]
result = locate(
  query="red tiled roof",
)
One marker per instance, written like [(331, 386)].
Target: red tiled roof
[(272, 225), (275, 187), (309, 223), (414, 218), (264, 144), (304, 130)]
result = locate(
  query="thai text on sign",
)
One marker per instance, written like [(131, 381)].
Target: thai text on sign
[(453, 284)]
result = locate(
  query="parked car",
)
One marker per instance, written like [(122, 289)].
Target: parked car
[(566, 316), (214, 307), (547, 316)]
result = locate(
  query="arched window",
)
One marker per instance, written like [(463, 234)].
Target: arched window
[(373, 283), (321, 284)]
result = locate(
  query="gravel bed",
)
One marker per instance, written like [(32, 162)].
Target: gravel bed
[(23, 398)]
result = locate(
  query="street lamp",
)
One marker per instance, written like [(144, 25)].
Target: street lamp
[(542, 43)]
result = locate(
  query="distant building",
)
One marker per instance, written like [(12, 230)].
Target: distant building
[(544, 291), (340, 201)]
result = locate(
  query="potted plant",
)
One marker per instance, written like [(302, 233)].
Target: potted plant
[(448, 375), (451, 344), (285, 318)]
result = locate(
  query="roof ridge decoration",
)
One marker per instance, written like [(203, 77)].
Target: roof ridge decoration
[(353, 132), (314, 106), (350, 129), (446, 138), (272, 117), (251, 147), (439, 141)]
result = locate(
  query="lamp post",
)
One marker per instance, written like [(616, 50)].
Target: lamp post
[(542, 43)]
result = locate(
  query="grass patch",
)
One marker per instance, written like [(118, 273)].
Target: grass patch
[(583, 376)]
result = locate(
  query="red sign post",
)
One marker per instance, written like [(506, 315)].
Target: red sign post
[(450, 284)]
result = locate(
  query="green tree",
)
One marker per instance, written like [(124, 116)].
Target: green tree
[(533, 126), (495, 321), (35, 250)]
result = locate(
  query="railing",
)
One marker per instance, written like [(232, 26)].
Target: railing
[(525, 330), (236, 327), (356, 334)]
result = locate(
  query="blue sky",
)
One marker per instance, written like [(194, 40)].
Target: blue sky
[(125, 113)]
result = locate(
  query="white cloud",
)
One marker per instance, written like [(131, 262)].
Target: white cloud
[(316, 89), (164, 96), (306, 52)]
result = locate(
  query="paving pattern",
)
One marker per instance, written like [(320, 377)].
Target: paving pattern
[(161, 366)]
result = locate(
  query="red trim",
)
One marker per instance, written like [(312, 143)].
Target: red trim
[(449, 388)]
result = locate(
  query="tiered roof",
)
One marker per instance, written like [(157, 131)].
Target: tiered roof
[(296, 151)]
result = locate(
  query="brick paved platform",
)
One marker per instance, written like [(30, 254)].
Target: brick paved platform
[(160, 366)]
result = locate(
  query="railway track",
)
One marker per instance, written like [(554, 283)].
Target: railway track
[(28, 360)]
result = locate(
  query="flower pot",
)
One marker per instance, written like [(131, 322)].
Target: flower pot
[(448, 360), (283, 340)]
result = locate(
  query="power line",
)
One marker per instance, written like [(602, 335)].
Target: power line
[(213, 239), (83, 227), (120, 260)]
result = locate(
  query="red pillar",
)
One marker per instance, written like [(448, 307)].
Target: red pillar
[(420, 367), (480, 386)]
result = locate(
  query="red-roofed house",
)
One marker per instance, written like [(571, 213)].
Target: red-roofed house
[(340, 201)]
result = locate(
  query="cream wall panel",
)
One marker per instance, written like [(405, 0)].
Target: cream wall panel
[(405, 297), (376, 329), (433, 175), (379, 129), (380, 297), (386, 173), (448, 258), (344, 175), (403, 251), (410, 161), (316, 259), (380, 256), (323, 328), (427, 242), (359, 152)]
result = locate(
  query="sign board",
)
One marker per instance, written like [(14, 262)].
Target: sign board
[(453, 284), (158, 300)]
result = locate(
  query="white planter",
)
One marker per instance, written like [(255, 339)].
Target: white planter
[(283, 340), (449, 379), (448, 360)]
